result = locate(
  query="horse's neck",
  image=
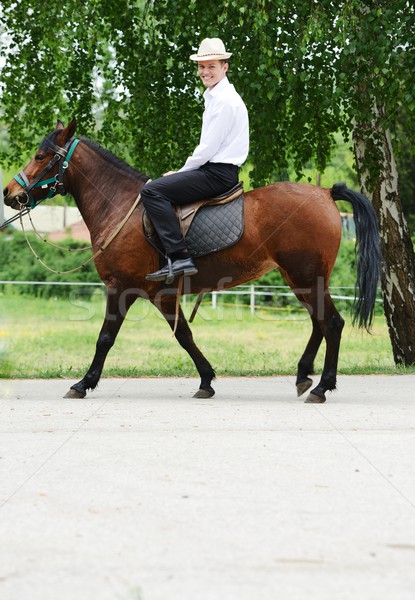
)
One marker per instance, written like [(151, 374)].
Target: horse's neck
[(102, 192)]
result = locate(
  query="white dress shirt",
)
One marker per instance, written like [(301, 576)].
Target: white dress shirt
[(225, 129)]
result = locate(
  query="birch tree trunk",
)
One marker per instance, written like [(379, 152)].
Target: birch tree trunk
[(398, 273)]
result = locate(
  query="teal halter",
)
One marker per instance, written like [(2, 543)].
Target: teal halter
[(54, 184)]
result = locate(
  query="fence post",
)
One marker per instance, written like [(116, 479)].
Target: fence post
[(214, 300), (252, 300)]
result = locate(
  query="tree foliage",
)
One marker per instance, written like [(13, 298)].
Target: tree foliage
[(305, 68), (297, 65)]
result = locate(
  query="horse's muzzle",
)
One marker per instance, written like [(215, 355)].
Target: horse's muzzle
[(15, 201)]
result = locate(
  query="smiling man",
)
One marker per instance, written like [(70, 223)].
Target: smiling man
[(213, 167)]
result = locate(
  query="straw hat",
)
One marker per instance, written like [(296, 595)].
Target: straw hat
[(211, 49)]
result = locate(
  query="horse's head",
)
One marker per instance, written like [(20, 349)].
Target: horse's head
[(42, 177)]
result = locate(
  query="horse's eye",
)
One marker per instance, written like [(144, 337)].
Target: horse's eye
[(39, 157)]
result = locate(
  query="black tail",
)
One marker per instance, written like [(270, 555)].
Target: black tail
[(368, 255)]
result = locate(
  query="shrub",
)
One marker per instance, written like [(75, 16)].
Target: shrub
[(19, 264)]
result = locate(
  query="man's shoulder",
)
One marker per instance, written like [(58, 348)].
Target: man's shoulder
[(228, 94)]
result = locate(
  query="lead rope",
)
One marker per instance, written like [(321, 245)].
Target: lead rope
[(100, 251)]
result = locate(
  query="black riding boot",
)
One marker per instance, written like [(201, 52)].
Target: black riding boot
[(179, 263)]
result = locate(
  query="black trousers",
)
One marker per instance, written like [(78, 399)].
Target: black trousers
[(159, 196)]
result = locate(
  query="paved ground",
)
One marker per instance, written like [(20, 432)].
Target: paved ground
[(141, 492)]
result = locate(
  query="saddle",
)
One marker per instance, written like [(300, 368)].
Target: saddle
[(207, 225)]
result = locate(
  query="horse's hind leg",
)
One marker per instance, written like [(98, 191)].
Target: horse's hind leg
[(305, 365), (306, 362), (167, 306), (114, 318), (331, 325)]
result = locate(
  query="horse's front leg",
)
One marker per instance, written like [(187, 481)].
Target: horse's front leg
[(166, 303), (118, 303)]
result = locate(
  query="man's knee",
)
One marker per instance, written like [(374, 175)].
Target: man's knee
[(149, 194)]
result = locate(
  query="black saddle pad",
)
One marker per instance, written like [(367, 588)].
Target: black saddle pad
[(216, 227), (213, 228)]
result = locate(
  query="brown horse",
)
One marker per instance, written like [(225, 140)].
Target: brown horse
[(293, 227)]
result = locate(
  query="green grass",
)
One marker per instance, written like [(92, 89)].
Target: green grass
[(56, 338)]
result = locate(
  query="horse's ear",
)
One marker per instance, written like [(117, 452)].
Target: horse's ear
[(71, 128), (65, 133), (59, 125)]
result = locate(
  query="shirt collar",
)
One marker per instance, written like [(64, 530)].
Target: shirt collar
[(218, 88)]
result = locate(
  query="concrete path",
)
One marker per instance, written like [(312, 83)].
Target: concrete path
[(140, 492)]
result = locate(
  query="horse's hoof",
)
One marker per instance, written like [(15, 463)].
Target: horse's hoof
[(314, 399), (74, 394), (303, 386), (201, 393)]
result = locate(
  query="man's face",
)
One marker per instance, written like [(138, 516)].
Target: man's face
[(211, 72)]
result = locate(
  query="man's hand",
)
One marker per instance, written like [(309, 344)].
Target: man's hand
[(169, 173)]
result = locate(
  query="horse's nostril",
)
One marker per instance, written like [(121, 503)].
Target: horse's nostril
[(5, 192)]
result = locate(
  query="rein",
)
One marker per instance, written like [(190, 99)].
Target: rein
[(39, 235), (21, 213), (97, 253)]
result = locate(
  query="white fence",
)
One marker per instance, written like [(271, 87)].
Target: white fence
[(254, 292), (271, 291)]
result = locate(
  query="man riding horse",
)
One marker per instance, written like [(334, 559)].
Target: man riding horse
[(213, 167)]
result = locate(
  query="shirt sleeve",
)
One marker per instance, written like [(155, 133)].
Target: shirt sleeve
[(213, 135)]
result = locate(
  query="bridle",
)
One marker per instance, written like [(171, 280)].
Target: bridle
[(54, 185)]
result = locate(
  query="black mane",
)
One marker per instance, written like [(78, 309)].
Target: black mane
[(106, 154), (114, 160)]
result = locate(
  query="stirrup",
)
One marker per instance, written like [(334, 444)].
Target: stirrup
[(170, 276)]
